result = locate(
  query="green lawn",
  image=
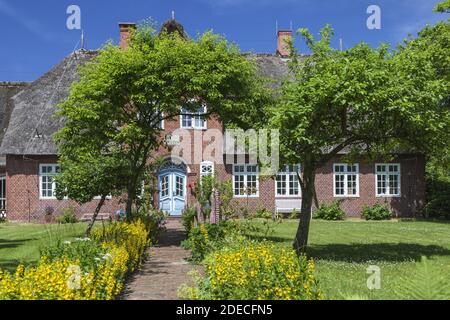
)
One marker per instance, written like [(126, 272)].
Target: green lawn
[(20, 243), (344, 250)]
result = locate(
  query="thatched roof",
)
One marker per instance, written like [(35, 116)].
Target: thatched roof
[(7, 91), (32, 123), (172, 26)]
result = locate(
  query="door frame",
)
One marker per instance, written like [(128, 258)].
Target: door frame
[(172, 170)]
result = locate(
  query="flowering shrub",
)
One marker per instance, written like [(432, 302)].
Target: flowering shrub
[(254, 271), (87, 269), (209, 237)]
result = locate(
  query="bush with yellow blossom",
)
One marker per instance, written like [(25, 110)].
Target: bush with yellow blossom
[(255, 271), (87, 269)]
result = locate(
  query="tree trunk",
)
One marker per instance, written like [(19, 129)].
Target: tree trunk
[(129, 207), (301, 238), (94, 218)]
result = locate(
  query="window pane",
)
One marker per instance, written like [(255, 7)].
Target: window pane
[(251, 185), (239, 185), (165, 186), (381, 184), (351, 185), (293, 185), (179, 183), (339, 186), (281, 185)]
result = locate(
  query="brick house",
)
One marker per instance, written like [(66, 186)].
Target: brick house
[(30, 159)]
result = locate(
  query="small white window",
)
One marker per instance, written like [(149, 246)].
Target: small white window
[(246, 181), (47, 184), (346, 180), (387, 179), (287, 183), (206, 169), (193, 120)]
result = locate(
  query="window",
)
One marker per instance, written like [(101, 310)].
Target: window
[(47, 185), (387, 179), (206, 169), (2, 193), (346, 180), (165, 186), (179, 186), (287, 184), (193, 120), (246, 180)]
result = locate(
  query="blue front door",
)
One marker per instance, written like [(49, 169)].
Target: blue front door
[(172, 193)]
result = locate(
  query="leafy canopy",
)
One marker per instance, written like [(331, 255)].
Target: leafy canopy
[(113, 113)]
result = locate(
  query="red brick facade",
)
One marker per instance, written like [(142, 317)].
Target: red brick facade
[(24, 203), (22, 192)]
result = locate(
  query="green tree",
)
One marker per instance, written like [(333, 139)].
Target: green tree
[(368, 101), (113, 113), (443, 6)]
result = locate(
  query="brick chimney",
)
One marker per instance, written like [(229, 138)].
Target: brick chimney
[(125, 29), (283, 37)]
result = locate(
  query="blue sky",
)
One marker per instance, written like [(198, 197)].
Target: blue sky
[(35, 37)]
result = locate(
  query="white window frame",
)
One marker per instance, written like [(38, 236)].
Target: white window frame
[(3, 196), (288, 173), (345, 173), (193, 115), (207, 164), (41, 175), (246, 174), (387, 173)]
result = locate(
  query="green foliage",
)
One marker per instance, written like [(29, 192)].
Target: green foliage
[(269, 221), (188, 218), (443, 6), (294, 214), (225, 194), (88, 252), (154, 221), (376, 212), (255, 271), (203, 191), (371, 101), (113, 113), (438, 196), (209, 237), (330, 212), (68, 216), (426, 282)]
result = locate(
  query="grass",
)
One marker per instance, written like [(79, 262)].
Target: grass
[(21, 243), (343, 251)]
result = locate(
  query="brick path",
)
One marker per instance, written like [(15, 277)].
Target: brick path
[(165, 270)]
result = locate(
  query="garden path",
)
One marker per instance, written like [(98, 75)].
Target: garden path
[(165, 270)]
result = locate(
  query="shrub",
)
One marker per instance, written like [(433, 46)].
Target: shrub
[(330, 212), (438, 196), (154, 221), (87, 269), (376, 212), (208, 237), (188, 219), (68, 217), (131, 236), (254, 271)]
